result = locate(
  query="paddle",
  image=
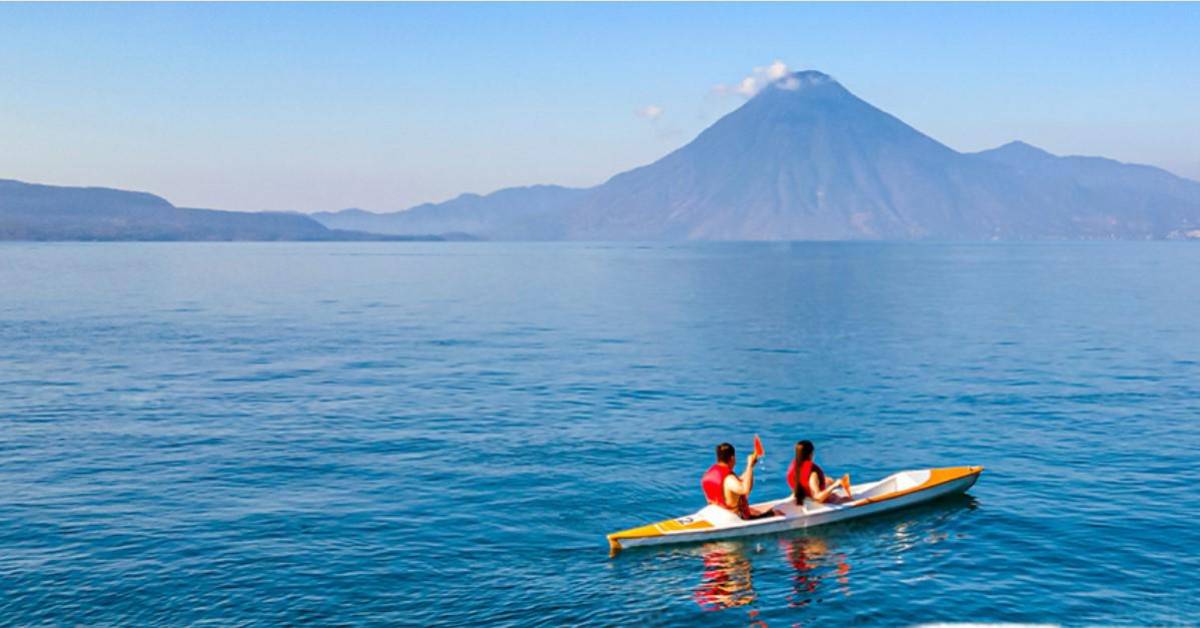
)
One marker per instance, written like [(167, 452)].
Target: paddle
[(758, 448)]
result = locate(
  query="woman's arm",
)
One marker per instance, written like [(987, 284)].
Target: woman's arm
[(821, 494)]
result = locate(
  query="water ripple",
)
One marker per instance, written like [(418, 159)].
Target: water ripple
[(334, 433)]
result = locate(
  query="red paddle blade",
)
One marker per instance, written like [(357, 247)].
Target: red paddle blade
[(758, 448)]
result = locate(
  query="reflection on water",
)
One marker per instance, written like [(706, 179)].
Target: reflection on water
[(726, 581), (727, 577), (819, 561), (807, 555), (922, 525)]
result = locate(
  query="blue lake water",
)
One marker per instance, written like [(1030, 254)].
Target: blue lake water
[(443, 433)]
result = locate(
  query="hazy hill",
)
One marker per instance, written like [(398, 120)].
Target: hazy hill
[(1107, 198), (44, 212), (511, 212)]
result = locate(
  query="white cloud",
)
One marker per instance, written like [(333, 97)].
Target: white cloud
[(776, 70), (650, 112), (791, 84), (749, 86), (654, 114), (758, 78)]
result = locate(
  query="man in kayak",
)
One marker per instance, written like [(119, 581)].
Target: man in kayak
[(808, 480), (722, 487)]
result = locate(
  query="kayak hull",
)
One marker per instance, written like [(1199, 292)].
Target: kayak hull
[(712, 523)]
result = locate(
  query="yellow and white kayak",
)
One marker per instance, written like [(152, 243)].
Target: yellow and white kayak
[(711, 523)]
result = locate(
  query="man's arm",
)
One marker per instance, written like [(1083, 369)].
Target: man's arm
[(745, 483), (748, 474)]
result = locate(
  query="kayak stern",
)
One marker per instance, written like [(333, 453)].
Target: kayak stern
[(654, 530)]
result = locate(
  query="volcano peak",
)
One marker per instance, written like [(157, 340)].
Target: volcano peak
[(795, 81)]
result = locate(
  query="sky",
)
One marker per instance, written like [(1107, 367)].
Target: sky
[(313, 107)]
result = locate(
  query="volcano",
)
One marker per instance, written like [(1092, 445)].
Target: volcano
[(805, 159)]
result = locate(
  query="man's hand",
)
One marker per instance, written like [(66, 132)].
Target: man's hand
[(752, 459)]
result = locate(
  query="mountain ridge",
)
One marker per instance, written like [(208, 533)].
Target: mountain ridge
[(464, 214), (803, 159), (35, 211)]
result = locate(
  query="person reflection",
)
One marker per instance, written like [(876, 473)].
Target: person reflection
[(806, 555), (726, 580)]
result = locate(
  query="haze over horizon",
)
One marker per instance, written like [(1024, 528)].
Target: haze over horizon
[(320, 107)]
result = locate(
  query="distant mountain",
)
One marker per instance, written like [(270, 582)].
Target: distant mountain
[(806, 159), (44, 212), (1109, 198), (508, 213)]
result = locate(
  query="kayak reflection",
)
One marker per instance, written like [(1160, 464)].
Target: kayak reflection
[(806, 555), (726, 581)]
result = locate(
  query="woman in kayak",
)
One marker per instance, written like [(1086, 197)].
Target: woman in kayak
[(808, 480)]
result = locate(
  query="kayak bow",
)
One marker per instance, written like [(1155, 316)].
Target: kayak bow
[(711, 523)]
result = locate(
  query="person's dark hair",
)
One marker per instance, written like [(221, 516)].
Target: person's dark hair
[(804, 452), (724, 452)]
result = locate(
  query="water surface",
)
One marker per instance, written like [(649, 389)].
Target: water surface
[(444, 432)]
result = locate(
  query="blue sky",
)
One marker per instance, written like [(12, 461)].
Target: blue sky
[(311, 107)]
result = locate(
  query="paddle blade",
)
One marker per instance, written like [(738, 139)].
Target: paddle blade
[(758, 448)]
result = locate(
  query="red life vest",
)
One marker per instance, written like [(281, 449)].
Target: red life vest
[(806, 470), (713, 484)]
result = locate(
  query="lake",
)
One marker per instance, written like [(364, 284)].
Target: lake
[(443, 433)]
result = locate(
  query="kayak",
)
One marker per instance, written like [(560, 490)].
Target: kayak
[(711, 523)]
